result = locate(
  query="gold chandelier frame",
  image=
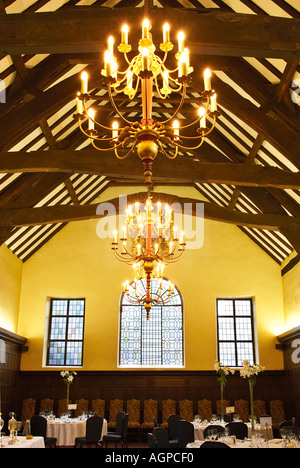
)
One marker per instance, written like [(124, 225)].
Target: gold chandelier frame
[(145, 74)]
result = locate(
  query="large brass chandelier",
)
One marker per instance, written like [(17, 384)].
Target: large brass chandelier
[(149, 241), (146, 75)]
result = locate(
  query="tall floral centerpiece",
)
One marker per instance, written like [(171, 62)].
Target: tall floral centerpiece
[(68, 377), (222, 372), (250, 372)]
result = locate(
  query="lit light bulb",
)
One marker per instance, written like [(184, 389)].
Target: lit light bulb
[(180, 38), (207, 79), (176, 129), (166, 32), (115, 132), (202, 117), (84, 82), (124, 36), (91, 114)]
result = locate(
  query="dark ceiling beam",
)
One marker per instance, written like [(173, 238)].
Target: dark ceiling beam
[(281, 136), (187, 206), (86, 30), (183, 170)]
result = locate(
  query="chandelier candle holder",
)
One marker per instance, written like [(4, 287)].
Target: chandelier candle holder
[(154, 244), (146, 74)]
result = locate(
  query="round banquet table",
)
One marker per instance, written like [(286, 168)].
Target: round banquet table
[(199, 430), (22, 442), (275, 443), (66, 430)]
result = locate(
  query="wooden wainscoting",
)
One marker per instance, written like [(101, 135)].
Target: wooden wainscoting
[(290, 345), (155, 384), (11, 347)]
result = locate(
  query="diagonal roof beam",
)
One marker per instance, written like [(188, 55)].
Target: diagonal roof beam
[(86, 29)]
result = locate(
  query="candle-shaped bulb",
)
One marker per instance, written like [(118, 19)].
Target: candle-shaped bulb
[(79, 105), (146, 26), (166, 32), (202, 117), (115, 127), (207, 79), (139, 247), (180, 38), (115, 236), (91, 114), (213, 103), (110, 45), (145, 59), (84, 82), (176, 129), (124, 36)]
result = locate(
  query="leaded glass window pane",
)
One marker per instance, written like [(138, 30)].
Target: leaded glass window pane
[(66, 332), (235, 331), (154, 342)]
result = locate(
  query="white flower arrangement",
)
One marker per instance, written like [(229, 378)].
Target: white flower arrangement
[(68, 376), (250, 371), (222, 370)]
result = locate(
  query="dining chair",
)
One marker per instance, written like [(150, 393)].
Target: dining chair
[(98, 406), (205, 409), (152, 442), (259, 408), (212, 444), (162, 436), (46, 404), (186, 410), (116, 436), (93, 433), (82, 406), (150, 412), (28, 409), (186, 433), (62, 407), (238, 429), (242, 409), (38, 427), (168, 407), (220, 429), (173, 429), (133, 409), (115, 407), (222, 405)]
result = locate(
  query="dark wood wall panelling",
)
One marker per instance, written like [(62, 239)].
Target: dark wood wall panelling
[(11, 347), (178, 384), (156, 384), (290, 345)]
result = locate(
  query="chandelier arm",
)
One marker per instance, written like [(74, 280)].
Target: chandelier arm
[(95, 122), (121, 258), (93, 139), (179, 107), (166, 154), (116, 108), (189, 148), (127, 154)]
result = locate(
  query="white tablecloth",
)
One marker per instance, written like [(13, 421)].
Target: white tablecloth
[(22, 442), (276, 443), (199, 430), (66, 431)]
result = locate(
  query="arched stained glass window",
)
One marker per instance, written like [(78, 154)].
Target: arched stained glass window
[(154, 342)]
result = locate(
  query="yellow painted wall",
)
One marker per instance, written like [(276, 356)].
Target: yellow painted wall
[(10, 287), (76, 263), (291, 290)]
